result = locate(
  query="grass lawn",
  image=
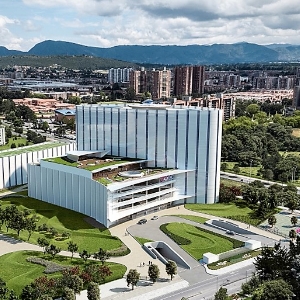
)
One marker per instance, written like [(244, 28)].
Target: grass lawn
[(244, 170), (237, 210), (142, 241), (197, 241), (229, 182), (193, 218), (63, 220), (17, 272), (19, 140)]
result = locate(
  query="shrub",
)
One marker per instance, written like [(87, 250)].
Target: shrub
[(51, 267), (43, 227), (121, 251)]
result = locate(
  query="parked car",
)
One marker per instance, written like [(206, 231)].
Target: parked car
[(154, 218), (142, 221), (230, 232)]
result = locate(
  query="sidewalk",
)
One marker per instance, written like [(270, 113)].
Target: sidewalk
[(144, 291)]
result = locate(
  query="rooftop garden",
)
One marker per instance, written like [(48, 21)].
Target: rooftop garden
[(114, 176), (92, 164)]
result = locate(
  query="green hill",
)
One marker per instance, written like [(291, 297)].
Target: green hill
[(70, 62)]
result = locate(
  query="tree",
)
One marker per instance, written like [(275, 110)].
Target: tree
[(93, 291), (30, 225), (45, 126), (75, 283), (292, 234), (28, 293), (68, 294), (3, 289), (52, 250), (132, 278), (221, 294), (252, 109), (274, 290), (236, 169), (74, 100), (153, 272), (224, 166), (103, 272), (293, 203), (102, 255), (85, 255), (272, 263), (294, 220), (130, 94), (250, 286), (227, 194), (43, 243), (72, 247), (171, 268), (272, 221), (17, 221)]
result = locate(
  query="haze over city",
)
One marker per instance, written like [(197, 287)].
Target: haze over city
[(103, 23)]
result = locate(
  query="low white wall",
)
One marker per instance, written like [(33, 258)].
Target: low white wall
[(13, 169)]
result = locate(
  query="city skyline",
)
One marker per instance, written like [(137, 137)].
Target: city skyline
[(103, 23)]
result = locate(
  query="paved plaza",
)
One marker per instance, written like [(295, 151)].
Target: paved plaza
[(283, 224)]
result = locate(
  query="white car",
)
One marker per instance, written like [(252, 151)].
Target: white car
[(154, 218)]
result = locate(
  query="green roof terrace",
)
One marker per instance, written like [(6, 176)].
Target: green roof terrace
[(95, 164), (31, 148)]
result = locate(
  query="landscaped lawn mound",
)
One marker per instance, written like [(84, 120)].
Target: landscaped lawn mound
[(237, 210), (197, 241), (17, 272), (65, 221)]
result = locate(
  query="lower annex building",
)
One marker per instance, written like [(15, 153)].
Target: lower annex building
[(133, 160)]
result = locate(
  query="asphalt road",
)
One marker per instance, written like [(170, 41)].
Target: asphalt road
[(206, 289)]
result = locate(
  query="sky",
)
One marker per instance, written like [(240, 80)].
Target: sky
[(107, 23)]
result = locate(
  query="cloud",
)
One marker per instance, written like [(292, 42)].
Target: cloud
[(106, 23), (30, 26), (8, 39), (94, 7)]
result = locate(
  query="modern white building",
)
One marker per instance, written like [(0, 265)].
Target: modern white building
[(134, 160)]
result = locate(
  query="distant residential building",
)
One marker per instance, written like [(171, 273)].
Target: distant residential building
[(189, 80), (219, 101), (156, 82), (119, 75), (2, 135)]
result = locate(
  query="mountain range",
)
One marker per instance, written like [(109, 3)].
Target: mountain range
[(171, 54)]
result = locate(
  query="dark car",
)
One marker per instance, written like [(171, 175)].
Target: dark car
[(142, 221), (230, 232)]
